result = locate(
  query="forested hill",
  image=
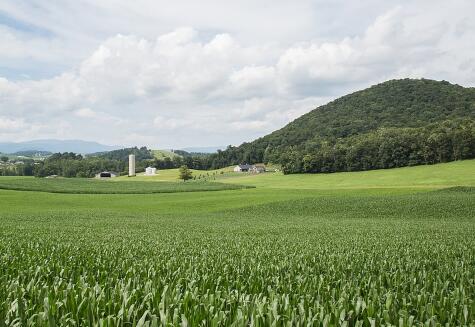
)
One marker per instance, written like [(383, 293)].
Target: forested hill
[(396, 123)]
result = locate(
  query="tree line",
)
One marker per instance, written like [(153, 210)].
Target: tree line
[(385, 148), (69, 164)]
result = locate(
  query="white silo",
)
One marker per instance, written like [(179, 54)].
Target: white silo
[(131, 165)]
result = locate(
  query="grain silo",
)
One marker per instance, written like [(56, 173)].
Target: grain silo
[(131, 165)]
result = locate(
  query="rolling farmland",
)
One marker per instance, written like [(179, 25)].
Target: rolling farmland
[(391, 247), (91, 186)]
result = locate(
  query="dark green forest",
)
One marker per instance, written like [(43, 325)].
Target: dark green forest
[(69, 164), (393, 124)]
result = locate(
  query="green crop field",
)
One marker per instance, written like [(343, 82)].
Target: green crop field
[(393, 248), (87, 186)]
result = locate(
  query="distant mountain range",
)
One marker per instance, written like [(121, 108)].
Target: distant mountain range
[(76, 146)]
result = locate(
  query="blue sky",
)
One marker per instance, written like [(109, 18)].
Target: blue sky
[(211, 72)]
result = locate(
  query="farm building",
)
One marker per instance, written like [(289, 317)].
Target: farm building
[(106, 174), (150, 171), (242, 168), (258, 169), (249, 168)]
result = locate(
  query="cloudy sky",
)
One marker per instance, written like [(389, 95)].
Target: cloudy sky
[(170, 74)]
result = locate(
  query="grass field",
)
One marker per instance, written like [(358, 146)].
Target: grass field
[(381, 248), (171, 175), (91, 186), (437, 176), (162, 154)]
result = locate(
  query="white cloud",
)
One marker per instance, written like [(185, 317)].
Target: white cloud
[(7, 124), (170, 123), (85, 113), (214, 86)]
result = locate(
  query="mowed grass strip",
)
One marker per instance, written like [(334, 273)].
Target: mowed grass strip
[(90, 186)]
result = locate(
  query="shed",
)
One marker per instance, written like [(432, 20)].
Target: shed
[(258, 169), (150, 171), (106, 174), (243, 168)]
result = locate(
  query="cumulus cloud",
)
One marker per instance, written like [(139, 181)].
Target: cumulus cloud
[(8, 125), (85, 113), (213, 88)]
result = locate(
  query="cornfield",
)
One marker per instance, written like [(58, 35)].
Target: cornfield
[(358, 260)]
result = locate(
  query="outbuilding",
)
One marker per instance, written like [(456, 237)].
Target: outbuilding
[(250, 168), (150, 171), (242, 168), (106, 175), (258, 169)]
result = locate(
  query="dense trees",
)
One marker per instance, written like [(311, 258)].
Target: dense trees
[(123, 154), (18, 168), (393, 124), (387, 148), (69, 164), (73, 165)]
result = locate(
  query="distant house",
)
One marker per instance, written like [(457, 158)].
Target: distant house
[(242, 168), (106, 174), (258, 169), (150, 171), (249, 168)]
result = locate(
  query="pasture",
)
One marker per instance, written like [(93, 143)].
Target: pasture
[(390, 247), (425, 177), (171, 175), (162, 154)]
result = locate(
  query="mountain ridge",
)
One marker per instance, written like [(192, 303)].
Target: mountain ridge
[(395, 104), (56, 145)]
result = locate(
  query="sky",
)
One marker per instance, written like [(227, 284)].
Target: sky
[(171, 74)]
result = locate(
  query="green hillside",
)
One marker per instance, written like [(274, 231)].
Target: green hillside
[(162, 154), (393, 124), (396, 103), (459, 173)]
